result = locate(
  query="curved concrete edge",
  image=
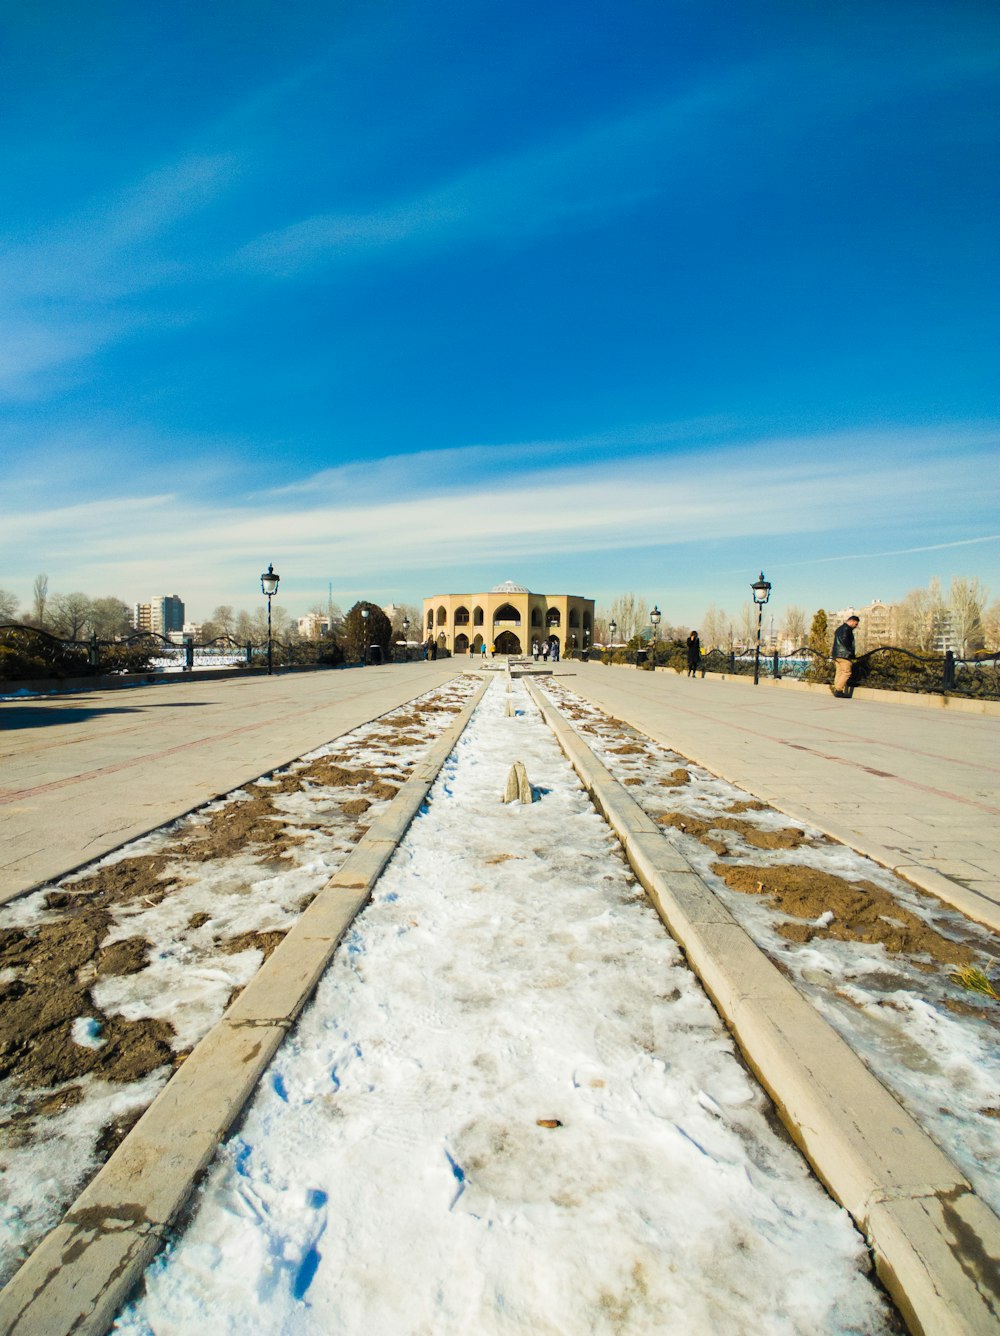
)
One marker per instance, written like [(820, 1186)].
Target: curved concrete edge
[(83, 1271), (936, 1245)]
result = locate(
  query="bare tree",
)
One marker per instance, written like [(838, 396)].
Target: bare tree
[(967, 599), (224, 620), (109, 617), (70, 615), (746, 625), (714, 633), (794, 627), (8, 605), (40, 596), (991, 625), (919, 617), (631, 615), (407, 610)]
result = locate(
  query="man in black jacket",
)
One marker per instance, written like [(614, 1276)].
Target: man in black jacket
[(844, 654)]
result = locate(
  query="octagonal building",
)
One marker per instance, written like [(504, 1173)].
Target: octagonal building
[(510, 617)]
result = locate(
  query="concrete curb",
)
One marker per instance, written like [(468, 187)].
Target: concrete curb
[(936, 1244), (82, 1272)]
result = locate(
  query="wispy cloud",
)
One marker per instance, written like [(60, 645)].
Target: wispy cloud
[(677, 502), (71, 289), (571, 180)]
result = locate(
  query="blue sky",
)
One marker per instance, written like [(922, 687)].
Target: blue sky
[(417, 297)]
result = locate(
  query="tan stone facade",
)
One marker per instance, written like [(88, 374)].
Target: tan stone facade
[(509, 617)]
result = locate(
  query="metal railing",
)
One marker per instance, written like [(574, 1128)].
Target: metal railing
[(888, 667), (31, 652)]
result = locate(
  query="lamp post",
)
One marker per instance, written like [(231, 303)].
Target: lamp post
[(612, 632), (654, 618), (761, 590), (406, 640), (269, 587), (365, 614)]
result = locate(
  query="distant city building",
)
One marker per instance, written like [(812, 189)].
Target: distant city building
[(879, 624), (510, 617), (313, 626), (167, 614), (142, 616)]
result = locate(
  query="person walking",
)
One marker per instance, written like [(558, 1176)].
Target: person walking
[(693, 653), (483, 651), (844, 654)]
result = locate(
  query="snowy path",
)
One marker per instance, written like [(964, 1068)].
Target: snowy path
[(510, 1107)]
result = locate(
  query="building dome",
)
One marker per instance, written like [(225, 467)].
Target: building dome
[(509, 587)]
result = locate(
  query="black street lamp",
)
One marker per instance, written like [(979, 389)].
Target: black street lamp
[(365, 614), (406, 640), (612, 632), (654, 618), (269, 587), (761, 590)]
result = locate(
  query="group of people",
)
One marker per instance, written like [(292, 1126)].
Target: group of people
[(547, 650)]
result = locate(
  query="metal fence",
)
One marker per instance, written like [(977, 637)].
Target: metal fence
[(28, 652), (888, 667)]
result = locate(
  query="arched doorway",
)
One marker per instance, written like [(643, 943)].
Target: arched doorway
[(508, 643), (461, 644), (477, 644)]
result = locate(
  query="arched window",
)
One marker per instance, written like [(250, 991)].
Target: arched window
[(536, 617), (586, 622), (574, 617), (477, 616), (430, 618), (461, 644), (553, 618), (507, 613), (461, 616), (442, 615)]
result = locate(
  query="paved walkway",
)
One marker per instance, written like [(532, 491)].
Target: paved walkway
[(918, 790), (82, 774)]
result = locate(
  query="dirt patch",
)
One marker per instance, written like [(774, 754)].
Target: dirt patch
[(676, 779), (143, 877), (127, 956), (356, 806), (634, 779), (256, 941), (494, 859), (629, 749), (53, 965), (750, 805), (706, 831), (862, 911), (37, 1047), (229, 831)]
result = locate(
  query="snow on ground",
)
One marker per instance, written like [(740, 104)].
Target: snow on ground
[(509, 1108), (191, 968), (924, 1036)]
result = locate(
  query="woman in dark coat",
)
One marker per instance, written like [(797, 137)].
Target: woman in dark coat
[(694, 653)]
